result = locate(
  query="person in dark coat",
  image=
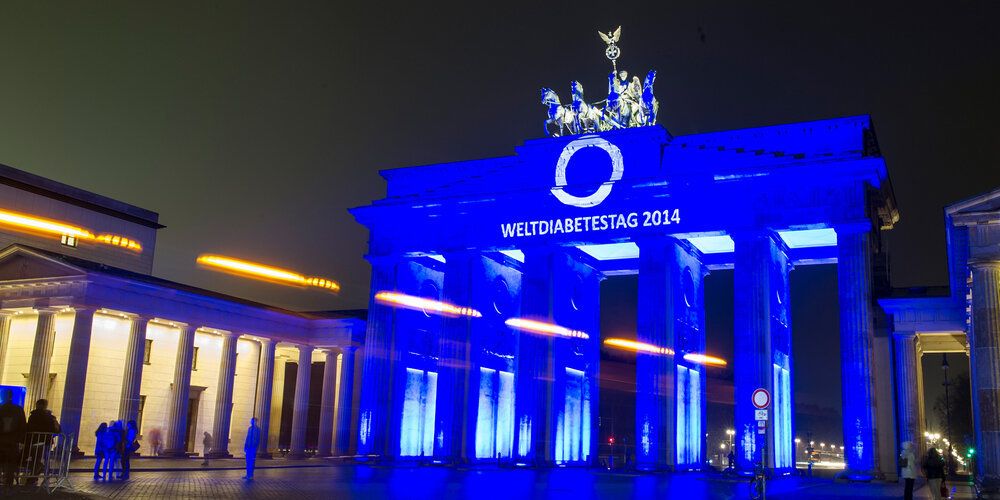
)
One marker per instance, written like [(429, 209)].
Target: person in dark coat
[(934, 470), (41, 420), (250, 447), (131, 444), (12, 429)]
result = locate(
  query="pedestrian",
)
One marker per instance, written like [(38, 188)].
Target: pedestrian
[(109, 444), (206, 441), (40, 421), (908, 469), (934, 470), (130, 445), (250, 447), (99, 450), (155, 441), (732, 461), (12, 429)]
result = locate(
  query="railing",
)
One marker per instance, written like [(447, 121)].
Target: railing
[(45, 460)]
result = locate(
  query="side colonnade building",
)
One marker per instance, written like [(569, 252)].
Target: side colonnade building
[(88, 328), (519, 245)]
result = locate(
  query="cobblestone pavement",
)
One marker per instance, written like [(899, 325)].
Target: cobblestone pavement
[(433, 483)]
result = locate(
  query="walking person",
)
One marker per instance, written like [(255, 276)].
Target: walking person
[(12, 429), (41, 421), (100, 451), (908, 469), (206, 441), (250, 447), (934, 470), (131, 444)]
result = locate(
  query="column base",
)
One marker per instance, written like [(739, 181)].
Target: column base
[(176, 454), (301, 455), (858, 475), (219, 454), (266, 455)]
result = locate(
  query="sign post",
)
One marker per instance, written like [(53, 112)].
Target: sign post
[(761, 400)]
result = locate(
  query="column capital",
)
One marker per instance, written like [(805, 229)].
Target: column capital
[(985, 263)]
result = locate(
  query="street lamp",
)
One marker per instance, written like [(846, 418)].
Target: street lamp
[(947, 409), (730, 433)]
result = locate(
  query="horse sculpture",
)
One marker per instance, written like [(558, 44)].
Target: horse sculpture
[(560, 117), (617, 112), (588, 117)]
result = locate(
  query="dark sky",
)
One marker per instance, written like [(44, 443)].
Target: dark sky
[(251, 129)]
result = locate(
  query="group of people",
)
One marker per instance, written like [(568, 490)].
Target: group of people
[(14, 429), (115, 445), (933, 466)]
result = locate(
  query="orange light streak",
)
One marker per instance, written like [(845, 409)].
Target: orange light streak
[(530, 325), (429, 306), (255, 270), (636, 346), (30, 223), (704, 359)]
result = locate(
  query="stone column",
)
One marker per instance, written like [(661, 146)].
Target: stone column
[(76, 373), (265, 388), (534, 370), (327, 403), (854, 284), (128, 406), (985, 359), (300, 411), (345, 398), (180, 394), (376, 398), (655, 407), (224, 396), (907, 401), (5, 321), (463, 274), (41, 357), (762, 331)]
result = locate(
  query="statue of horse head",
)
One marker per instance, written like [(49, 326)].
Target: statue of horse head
[(549, 97), (649, 104)]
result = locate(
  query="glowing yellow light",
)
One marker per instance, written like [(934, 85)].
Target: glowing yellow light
[(633, 345), (530, 325), (47, 226), (253, 269), (705, 359), (120, 241), (429, 306)]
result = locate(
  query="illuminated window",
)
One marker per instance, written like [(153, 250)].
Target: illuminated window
[(148, 351), (68, 240), (194, 360)]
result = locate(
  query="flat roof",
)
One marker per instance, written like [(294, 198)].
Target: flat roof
[(75, 196)]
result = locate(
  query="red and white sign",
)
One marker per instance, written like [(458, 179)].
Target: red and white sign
[(761, 398)]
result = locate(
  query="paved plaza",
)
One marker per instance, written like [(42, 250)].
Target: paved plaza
[(438, 483)]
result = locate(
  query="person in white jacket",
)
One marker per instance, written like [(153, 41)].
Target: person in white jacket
[(908, 469)]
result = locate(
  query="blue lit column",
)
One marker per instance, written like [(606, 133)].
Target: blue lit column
[(985, 362), (762, 349), (376, 396), (854, 283), (907, 400), (345, 399), (462, 280), (655, 405), (533, 375)]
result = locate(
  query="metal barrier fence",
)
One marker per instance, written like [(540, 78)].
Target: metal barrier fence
[(45, 460)]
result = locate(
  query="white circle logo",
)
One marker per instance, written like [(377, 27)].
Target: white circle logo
[(595, 198)]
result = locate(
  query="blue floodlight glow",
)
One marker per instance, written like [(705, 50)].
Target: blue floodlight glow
[(416, 437), (808, 238), (495, 419), (514, 254), (611, 251), (438, 257), (713, 244)]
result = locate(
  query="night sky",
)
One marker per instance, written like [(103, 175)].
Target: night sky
[(251, 128)]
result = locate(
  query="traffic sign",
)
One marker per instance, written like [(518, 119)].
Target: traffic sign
[(761, 398), (760, 415)]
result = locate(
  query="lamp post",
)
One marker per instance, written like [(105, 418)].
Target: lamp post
[(947, 409)]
